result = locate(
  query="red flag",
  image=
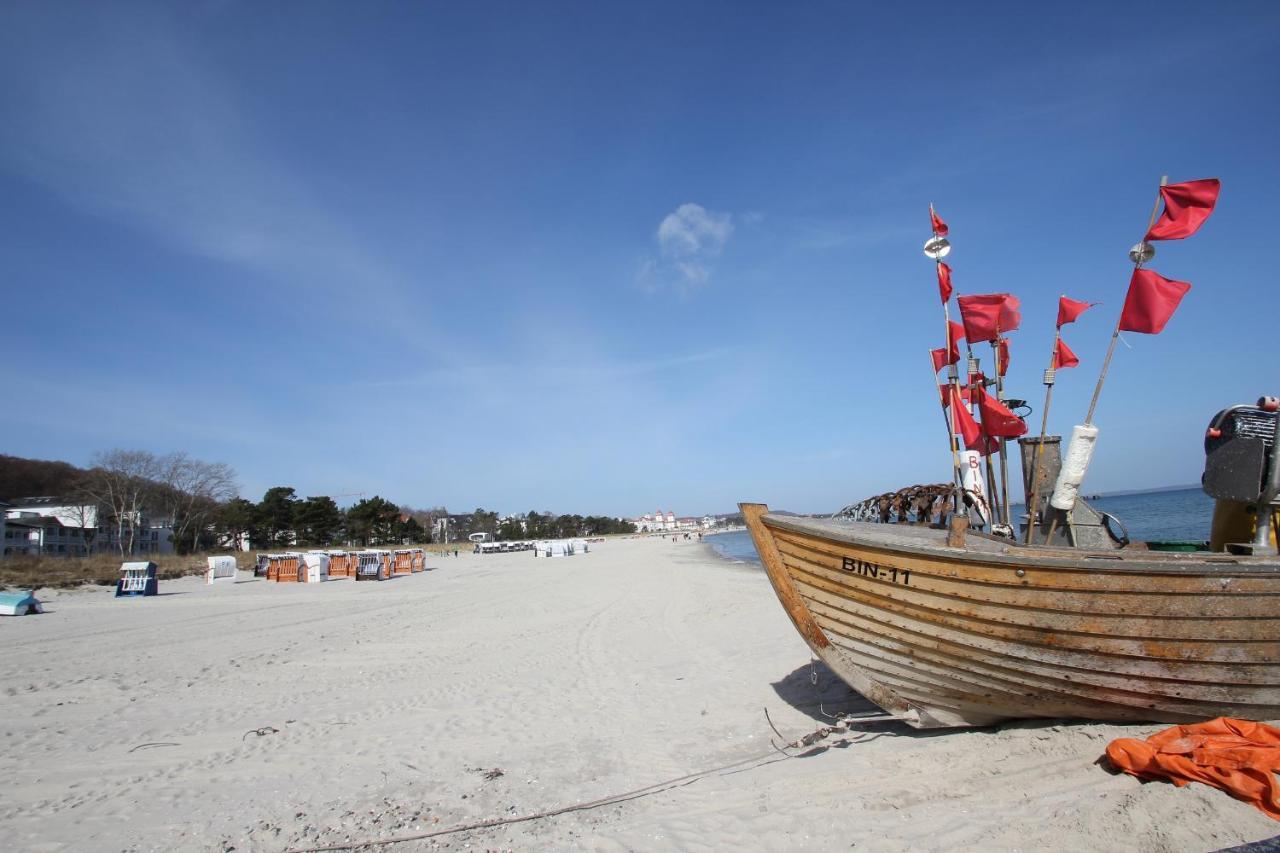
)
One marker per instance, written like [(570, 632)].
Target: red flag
[(944, 282), (939, 227), (963, 424), (1150, 302), (946, 395), (941, 355), (1063, 356), (997, 420), (1002, 357), (1069, 310), (1186, 207), (986, 316)]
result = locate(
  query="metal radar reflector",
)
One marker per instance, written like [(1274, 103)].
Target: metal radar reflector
[(937, 248), (1142, 252)]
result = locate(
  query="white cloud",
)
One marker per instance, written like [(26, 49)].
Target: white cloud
[(693, 230), (689, 238)]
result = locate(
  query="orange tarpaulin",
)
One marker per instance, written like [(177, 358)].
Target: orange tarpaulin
[(1239, 756)]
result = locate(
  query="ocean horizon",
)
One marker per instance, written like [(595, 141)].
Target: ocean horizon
[(1173, 514)]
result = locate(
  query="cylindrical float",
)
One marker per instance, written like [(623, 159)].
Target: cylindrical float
[(1074, 466)]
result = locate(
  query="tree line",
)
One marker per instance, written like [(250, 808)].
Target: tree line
[(124, 490), (282, 519), (536, 525)]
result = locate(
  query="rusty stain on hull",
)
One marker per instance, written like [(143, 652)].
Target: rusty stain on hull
[(993, 631)]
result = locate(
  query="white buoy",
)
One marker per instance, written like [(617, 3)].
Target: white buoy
[(1074, 466)]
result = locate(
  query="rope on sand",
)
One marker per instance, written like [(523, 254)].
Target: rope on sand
[(844, 726), (657, 787)]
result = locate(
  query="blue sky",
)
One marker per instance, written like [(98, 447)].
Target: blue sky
[(608, 257)]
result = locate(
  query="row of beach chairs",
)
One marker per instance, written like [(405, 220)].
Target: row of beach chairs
[(317, 566)]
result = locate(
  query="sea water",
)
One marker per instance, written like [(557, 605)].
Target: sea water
[(1169, 515)]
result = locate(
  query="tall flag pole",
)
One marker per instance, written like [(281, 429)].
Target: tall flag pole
[(1062, 356), (973, 377), (937, 248), (1139, 254), (1149, 303), (999, 352), (948, 418)]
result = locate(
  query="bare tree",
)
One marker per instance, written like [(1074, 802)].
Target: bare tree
[(120, 482), (192, 492), (86, 515)]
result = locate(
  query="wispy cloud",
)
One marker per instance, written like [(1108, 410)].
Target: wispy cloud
[(545, 375), (689, 239), (129, 120)]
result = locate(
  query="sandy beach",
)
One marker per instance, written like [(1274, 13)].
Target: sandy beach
[(264, 717)]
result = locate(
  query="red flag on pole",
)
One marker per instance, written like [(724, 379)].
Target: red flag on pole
[(1150, 302), (988, 315), (944, 282), (1063, 356), (962, 423), (1002, 356), (939, 227), (996, 417), (1186, 207), (946, 394), (1069, 310), (942, 356)]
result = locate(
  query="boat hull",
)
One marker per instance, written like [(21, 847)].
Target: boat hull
[(972, 636)]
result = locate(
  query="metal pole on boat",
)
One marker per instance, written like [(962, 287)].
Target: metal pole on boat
[(937, 248), (1050, 376), (1004, 457), (946, 416), (953, 380), (992, 497), (1139, 254)]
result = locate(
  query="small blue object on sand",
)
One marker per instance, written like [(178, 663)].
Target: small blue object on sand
[(19, 603)]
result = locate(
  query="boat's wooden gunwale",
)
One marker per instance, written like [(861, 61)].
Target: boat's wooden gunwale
[(983, 570), (1061, 609), (1173, 564)]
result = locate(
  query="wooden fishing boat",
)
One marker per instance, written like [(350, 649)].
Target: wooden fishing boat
[(992, 629)]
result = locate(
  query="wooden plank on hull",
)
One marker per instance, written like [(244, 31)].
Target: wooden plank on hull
[(1213, 594), (1081, 685), (1173, 628), (1037, 643)]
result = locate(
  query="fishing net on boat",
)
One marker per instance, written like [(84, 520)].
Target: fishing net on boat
[(920, 503)]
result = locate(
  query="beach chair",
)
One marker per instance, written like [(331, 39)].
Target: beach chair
[(341, 564), (287, 568), (221, 569), (369, 566), (137, 579), (317, 567)]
